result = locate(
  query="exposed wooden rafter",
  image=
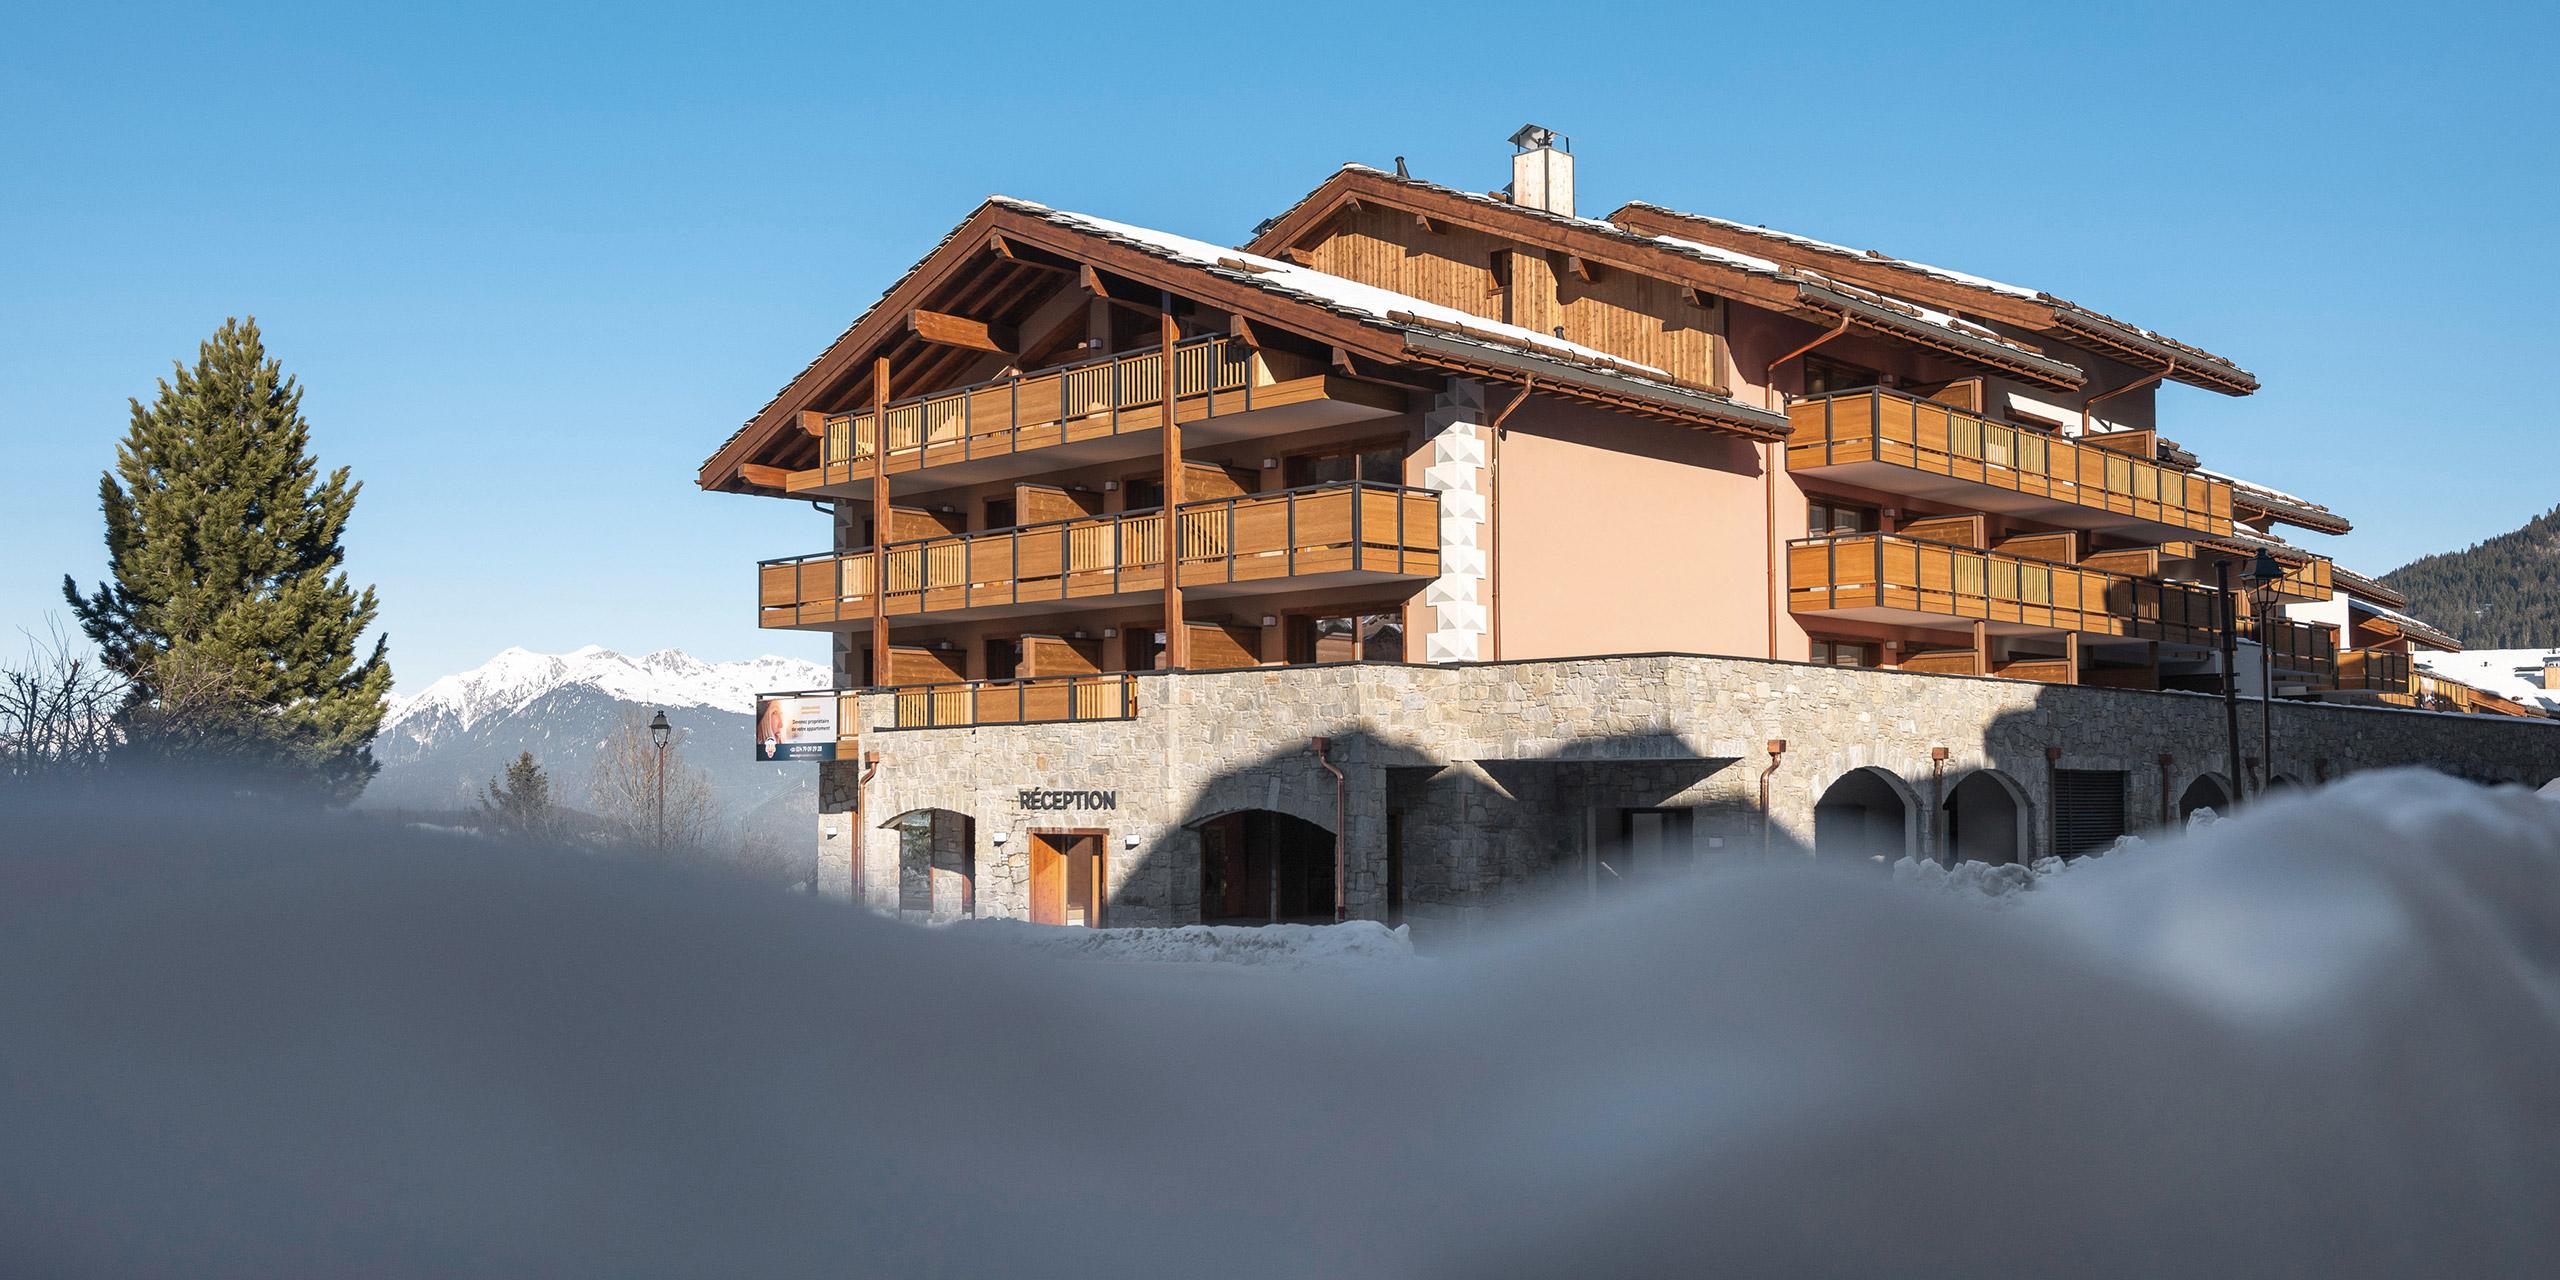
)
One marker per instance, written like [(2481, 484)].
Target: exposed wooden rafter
[(961, 331)]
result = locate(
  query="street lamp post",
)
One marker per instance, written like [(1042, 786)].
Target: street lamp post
[(2264, 572), (2230, 674), (659, 731)]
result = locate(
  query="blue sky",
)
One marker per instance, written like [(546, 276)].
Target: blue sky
[(533, 266)]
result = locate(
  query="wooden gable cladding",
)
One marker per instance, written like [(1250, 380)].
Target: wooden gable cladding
[(1644, 319)]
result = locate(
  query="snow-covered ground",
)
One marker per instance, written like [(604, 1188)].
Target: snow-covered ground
[(2509, 673), (1273, 946), (2316, 1038)]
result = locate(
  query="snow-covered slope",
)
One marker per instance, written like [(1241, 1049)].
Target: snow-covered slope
[(668, 678), (2509, 673), (439, 747)]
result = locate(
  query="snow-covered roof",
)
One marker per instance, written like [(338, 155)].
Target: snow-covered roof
[(2414, 628), (2293, 509), (2513, 674), (2105, 328), (1331, 291), (2366, 585), (1899, 315)]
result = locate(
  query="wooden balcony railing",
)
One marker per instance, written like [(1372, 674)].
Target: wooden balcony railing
[(1887, 573), (1383, 530), (1061, 405), (2301, 648), (2382, 671), (1037, 700), (1879, 426), (2314, 581)]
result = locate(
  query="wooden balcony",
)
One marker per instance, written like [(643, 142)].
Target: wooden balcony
[(1039, 700), (2313, 581), (1316, 536), (1901, 444), (1097, 411), (1888, 578), (2382, 671), (2306, 651)]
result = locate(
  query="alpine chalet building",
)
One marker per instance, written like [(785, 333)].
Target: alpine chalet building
[(1439, 547)]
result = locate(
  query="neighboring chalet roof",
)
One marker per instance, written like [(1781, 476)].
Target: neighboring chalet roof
[(2245, 542), (1376, 323), (2373, 589), (2278, 505), (2032, 308), (1807, 294), (2417, 630)]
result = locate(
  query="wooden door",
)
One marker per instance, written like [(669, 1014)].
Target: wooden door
[(1067, 878)]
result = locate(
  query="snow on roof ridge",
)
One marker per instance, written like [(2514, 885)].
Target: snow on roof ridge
[(2269, 490), (1338, 291)]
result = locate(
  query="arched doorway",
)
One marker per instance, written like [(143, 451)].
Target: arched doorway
[(2208, 791), (2281, 783), (1866, 816), (1258, 866), (937, 863), (1987, 820)]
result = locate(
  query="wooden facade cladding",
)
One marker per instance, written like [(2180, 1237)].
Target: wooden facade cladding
[(1346, 532), (1894, 579), (1042, 700), (1076, 403), (1631, 315), (1886, 439)]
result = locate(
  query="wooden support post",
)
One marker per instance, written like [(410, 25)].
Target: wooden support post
[(1177, 639), (880, 521), (2071, 657), (1981, 647)]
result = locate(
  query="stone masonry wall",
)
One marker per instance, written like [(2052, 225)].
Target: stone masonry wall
[(1494, 767)]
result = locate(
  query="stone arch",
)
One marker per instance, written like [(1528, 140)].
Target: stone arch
[(2205, 791), (1989, 818), (1867, 815), (1263, 866), (2281, 782), (937, 863)]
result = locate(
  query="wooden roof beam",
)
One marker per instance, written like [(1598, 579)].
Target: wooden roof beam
[(949, 330)]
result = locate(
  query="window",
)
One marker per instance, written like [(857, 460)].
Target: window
[(1004, 659), (1848, 653), (1142, 493), (1373, 464), (1823, 376), (1142, 648), (999, 514), (1824, 518), (1363, 637), (2088, 810)]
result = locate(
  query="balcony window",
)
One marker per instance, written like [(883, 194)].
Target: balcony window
[(1374, 463), (1826, 518), (1823, 376), (1364, 637), (1848, 653)]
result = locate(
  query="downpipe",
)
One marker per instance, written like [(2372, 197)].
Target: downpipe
[(1777, 751), (1341, 810)]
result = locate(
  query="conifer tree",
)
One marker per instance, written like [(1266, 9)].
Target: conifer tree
[(227, 610), (521, 800)]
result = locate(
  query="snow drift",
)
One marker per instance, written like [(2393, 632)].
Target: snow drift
[(2317, 1038)]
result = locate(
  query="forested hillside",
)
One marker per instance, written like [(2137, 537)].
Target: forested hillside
[(2500, 594)]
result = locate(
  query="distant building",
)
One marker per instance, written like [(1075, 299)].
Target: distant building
[(1493, 546)]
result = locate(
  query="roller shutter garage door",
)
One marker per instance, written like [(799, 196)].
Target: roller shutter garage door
[(2088, 810)]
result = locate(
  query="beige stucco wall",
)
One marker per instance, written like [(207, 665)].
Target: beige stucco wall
[(1620, 535)]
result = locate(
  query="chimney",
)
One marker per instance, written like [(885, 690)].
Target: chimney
[(2551, 673), (1542, 170)]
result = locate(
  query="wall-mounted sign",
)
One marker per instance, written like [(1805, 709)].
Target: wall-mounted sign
[(1053, 801), (796, 727)]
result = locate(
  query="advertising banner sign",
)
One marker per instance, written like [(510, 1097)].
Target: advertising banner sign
[(796, 726)]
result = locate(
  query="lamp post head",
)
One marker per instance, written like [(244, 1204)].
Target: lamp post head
[(659, 729), (2264, 569)]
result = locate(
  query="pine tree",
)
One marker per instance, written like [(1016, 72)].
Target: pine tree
[(520, 801), (228, 611)]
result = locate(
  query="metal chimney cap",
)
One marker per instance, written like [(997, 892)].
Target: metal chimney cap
[(1533, 136)]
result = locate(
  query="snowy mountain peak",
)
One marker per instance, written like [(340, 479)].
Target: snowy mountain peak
[(668, 678)]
